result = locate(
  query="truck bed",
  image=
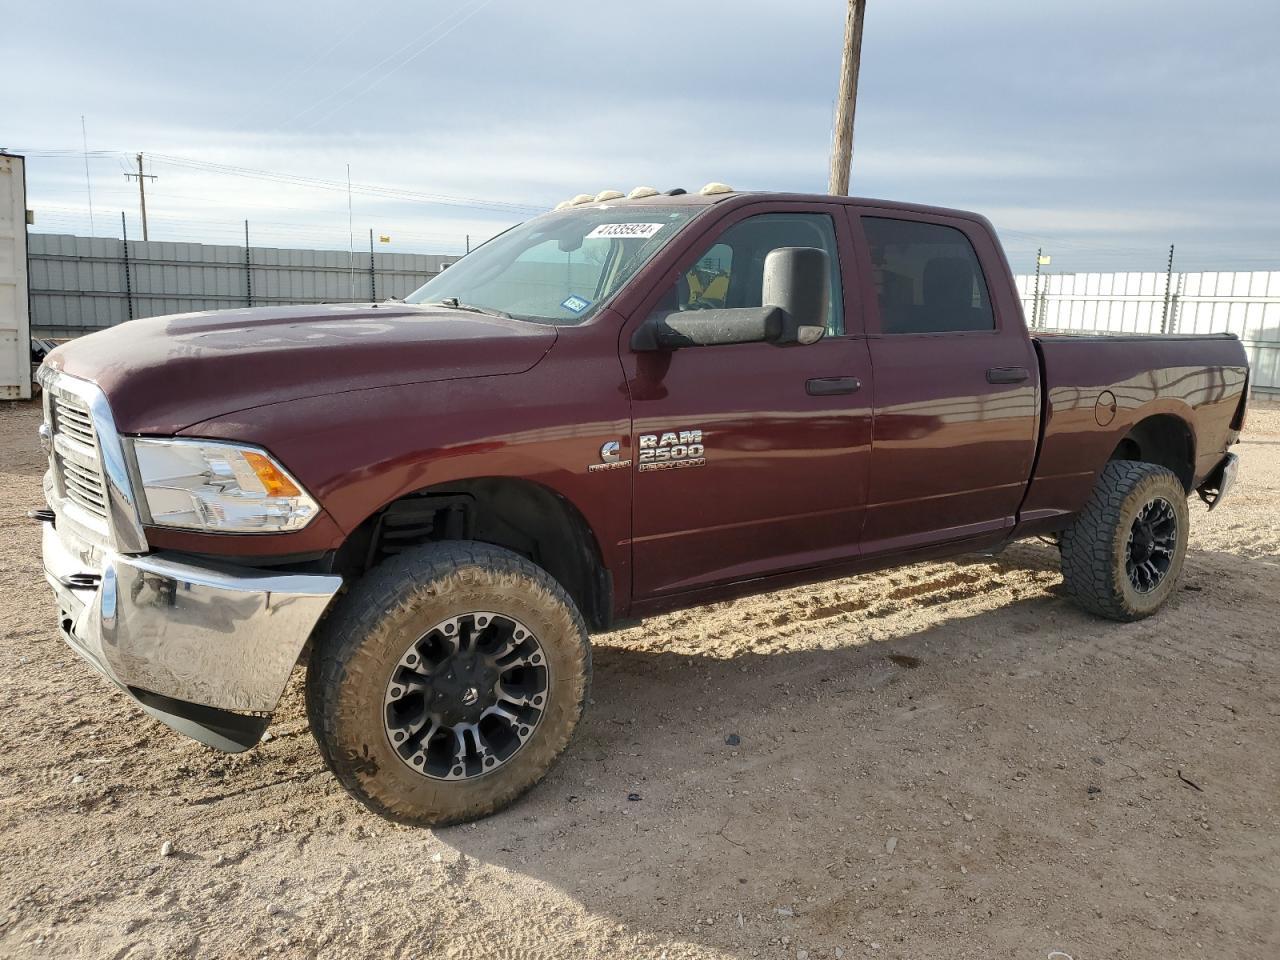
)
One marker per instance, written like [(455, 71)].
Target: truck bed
[(1100, 390)]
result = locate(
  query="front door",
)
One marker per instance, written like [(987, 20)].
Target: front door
[(751, 458)]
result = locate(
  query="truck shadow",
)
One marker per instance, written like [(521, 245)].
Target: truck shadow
[(769, 784)]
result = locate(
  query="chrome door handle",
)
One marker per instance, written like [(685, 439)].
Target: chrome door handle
[(831, 386)]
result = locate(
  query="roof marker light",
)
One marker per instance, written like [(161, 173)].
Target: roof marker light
[(562, 204), (639, 192), (581, 199), (711, 189), (609, 195)]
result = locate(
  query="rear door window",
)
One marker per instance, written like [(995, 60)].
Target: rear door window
[(927, 278)]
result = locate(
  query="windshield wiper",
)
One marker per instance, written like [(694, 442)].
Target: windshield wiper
[(470, 308)]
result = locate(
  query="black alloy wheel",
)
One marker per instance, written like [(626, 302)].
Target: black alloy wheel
[(466, 696), (1153, 541)]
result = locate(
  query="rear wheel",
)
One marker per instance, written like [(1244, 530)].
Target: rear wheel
[(448, 682), (1122, 556)]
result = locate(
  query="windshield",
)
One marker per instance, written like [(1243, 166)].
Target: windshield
[(559, 268)]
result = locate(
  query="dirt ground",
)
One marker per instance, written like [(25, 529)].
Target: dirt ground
[(947, 760)]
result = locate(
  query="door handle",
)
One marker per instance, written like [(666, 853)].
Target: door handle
[(831, 386), (1007, 374)]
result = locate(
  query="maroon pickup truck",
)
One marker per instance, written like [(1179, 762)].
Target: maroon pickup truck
[(625, 406)]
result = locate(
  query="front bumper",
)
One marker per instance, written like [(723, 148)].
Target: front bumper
[(205, 649)]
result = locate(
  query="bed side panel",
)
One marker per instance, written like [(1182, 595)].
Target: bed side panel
[(1198, 380)]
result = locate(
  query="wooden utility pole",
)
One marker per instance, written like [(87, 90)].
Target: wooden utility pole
[(142, 193), (842, 145)]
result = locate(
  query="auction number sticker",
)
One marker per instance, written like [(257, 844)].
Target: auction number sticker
[(575, 303), (626, 231)]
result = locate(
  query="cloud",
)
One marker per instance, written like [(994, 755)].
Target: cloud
[(1127, 126)]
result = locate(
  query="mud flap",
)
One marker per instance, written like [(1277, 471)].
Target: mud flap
[(1220, 481)]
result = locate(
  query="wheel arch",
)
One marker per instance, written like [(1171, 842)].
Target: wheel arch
[(522, 515), (1165, 439)]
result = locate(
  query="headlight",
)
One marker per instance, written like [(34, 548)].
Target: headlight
[(219, 488)]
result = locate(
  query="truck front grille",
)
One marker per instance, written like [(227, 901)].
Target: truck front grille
[(76, 464), (71, 417)]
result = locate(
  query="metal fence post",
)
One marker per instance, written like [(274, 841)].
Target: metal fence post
[(373, 274), (128, 283), (248, 268), (1035, 302), (1168, 290), (1173, 304)]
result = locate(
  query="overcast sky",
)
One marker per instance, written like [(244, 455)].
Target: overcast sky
[(1102, 131)]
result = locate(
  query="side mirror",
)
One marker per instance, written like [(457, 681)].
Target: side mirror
[(796, 292), (798, 279)]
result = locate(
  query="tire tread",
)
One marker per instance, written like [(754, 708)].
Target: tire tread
[(1088, 569)]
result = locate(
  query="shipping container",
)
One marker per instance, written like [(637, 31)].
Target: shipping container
[(15, 319)]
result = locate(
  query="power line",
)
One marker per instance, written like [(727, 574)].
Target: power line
[(360, 76), (408, 60), (321, 183), (253, 173)]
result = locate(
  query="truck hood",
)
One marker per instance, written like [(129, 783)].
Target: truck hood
[(161, 374)]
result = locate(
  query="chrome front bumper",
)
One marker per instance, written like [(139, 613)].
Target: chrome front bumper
[(205, 649)]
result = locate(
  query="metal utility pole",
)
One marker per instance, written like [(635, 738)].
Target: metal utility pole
[(842, 145), (142, 193)]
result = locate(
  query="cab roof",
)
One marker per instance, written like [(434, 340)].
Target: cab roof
[(742, 197)]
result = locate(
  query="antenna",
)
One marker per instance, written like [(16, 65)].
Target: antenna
[(88, 186)]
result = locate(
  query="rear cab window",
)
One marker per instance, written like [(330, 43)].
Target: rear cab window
[(927, 278)]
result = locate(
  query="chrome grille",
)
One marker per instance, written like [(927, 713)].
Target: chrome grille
[(75, 457), (71, 417)]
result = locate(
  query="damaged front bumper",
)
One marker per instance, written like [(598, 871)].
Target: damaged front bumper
[(205, 649)]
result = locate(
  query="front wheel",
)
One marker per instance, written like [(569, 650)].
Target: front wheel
[(1122, 556), (447, 682)]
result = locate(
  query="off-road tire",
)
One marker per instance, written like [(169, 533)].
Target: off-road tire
[(360, 643), (1095, 547)]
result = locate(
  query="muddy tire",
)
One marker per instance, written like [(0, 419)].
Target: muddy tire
[(1122, 556), (447, 682)]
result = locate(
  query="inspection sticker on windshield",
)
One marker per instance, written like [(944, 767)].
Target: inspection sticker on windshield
[(575, 304), (626, 231)]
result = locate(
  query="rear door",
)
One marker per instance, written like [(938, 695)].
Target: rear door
[(751, 459), (956, 396)]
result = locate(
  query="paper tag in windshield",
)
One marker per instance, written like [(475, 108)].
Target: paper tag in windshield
[(626, 231)]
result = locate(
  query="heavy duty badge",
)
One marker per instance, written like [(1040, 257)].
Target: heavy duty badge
[(673, 450)]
